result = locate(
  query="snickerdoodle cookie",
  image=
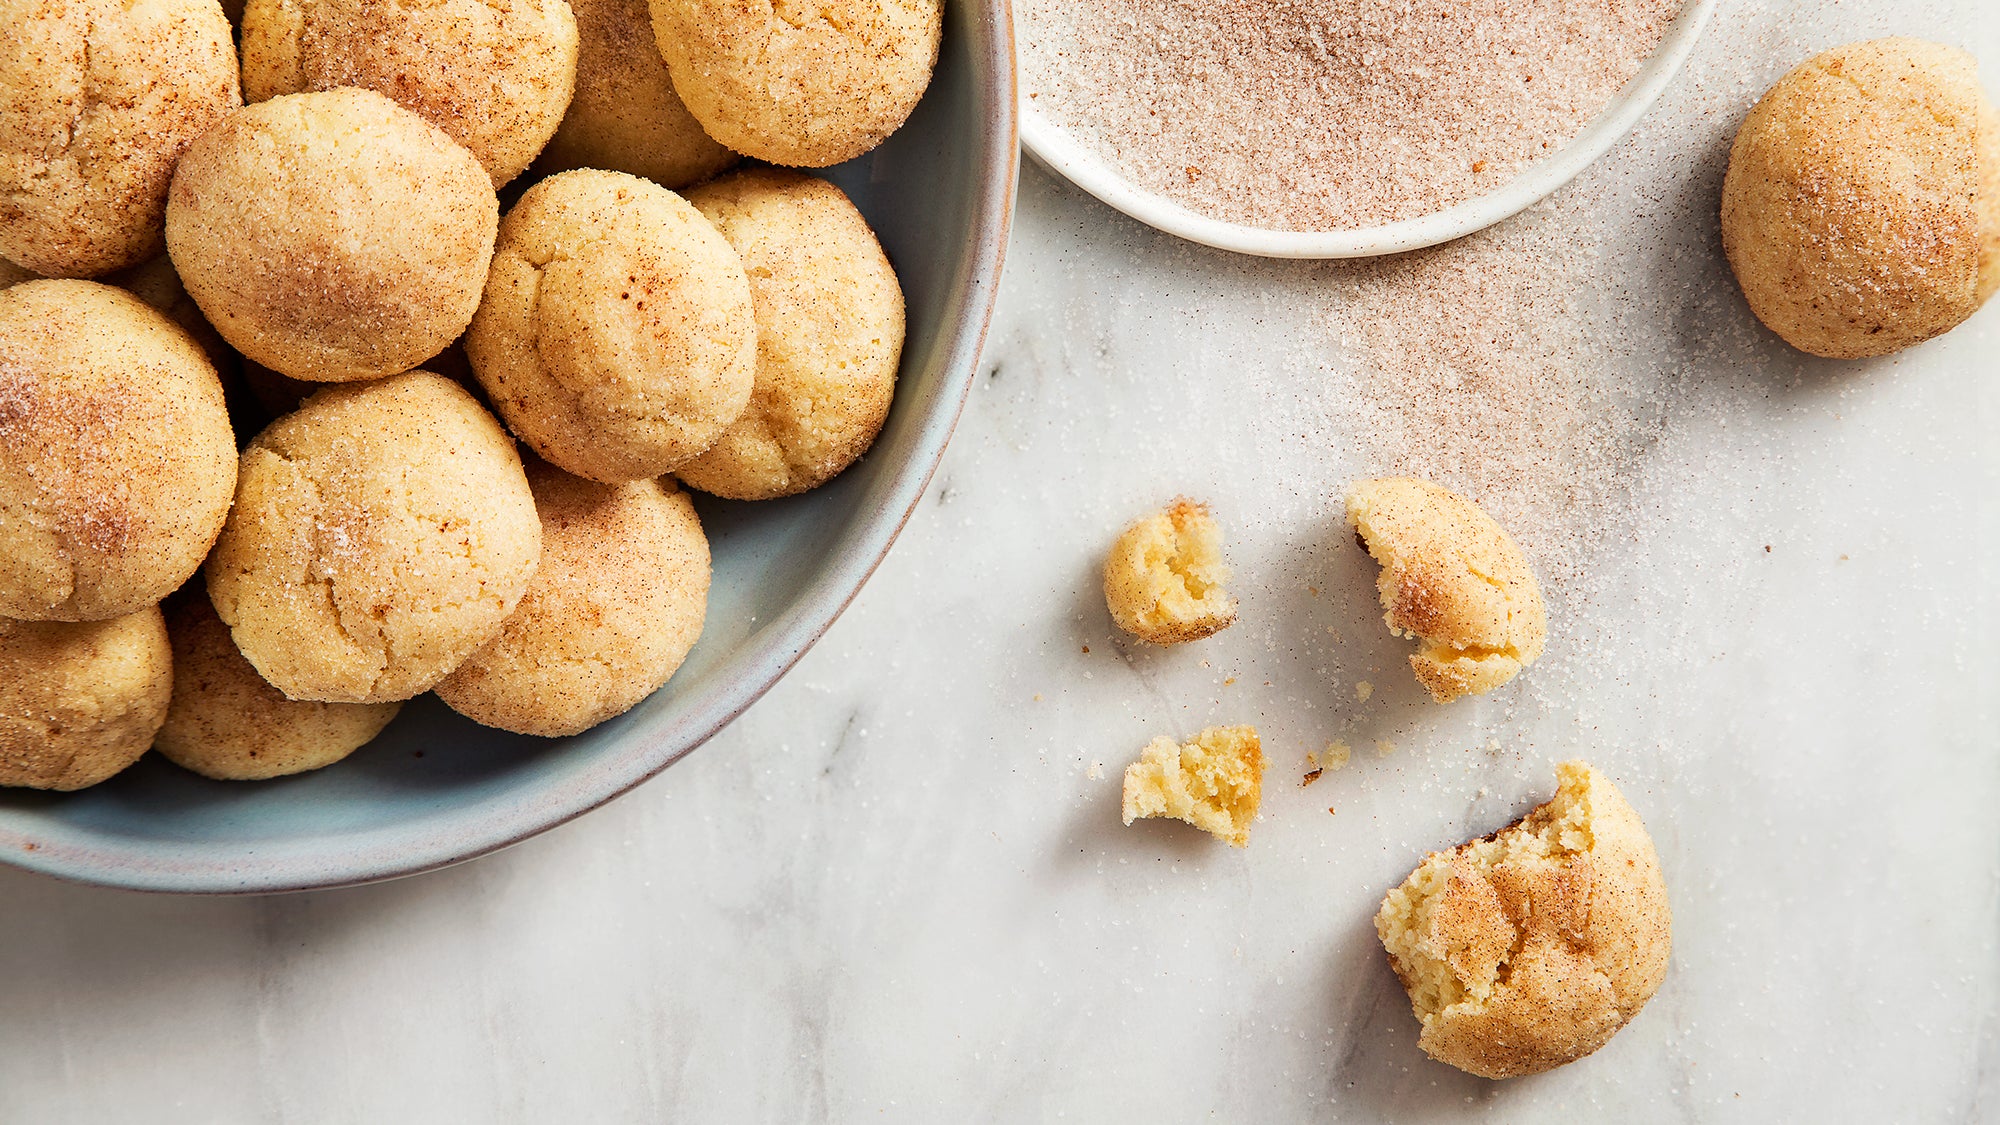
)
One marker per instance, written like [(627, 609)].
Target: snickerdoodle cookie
[(1452, 578), (80, 701), (332, 236), (616, 605), (495, 74), (227, 722), (1529, 948), (98, 99), (625, 116), (1163, 579), (800, 84), (616, 336), (829, 334), (117, 461), (1861, 210), (381, 534)]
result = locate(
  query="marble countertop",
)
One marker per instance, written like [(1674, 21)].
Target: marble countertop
[(898, 889)]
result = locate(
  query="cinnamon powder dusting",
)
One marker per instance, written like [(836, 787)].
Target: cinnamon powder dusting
[(1329, 114)]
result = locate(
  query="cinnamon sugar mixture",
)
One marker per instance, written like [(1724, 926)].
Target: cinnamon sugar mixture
[(1329, 114)]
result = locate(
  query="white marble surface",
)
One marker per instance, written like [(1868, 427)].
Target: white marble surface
[(898, 890)]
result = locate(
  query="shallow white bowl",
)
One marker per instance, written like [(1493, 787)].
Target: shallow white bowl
[(1083, 167)]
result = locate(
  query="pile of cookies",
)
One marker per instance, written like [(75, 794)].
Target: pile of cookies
[(475, 482)]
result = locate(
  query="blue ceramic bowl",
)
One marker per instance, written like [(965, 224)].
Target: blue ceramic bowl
[(435, 789)]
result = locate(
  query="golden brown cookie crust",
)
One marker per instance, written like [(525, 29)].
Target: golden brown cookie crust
[(829, 335), (617, 603), (332, 236), (79, 701), (226, 722), (1859, 211), (625, 116), (801, 83), (616, 336), (501, 94), (381, 534), (117, 461), (1454, 579), (98, 99), (1530, 948)]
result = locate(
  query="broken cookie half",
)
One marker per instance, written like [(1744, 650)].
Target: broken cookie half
[(1529, 948), (1163, 579), (1452, 578), (1213, 782)]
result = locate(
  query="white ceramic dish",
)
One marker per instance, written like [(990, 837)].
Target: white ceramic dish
[(1066, 156)]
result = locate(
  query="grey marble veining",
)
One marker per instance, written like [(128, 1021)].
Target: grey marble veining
[(898, 890)]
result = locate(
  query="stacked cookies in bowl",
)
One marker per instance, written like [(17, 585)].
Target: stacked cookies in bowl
[(358, 435)]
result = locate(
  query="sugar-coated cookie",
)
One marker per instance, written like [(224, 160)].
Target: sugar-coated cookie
[(803, 85), (117, 460), (1530, 948), (616, 336), (79, 701), (1163, 578), (1861, 209), (332, 236), (1454, 579), (98, 99), (381, 534), (618, 602), (495, 74), (829, 334)]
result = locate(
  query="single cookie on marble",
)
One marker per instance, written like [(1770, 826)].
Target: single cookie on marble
[(497, 76), (806, 86), (227, 722), (625, 116), (80, 701), (617, 603), (381, 534), (1531, 947), (1163, 578), (829, 335), (98, 99), (332, 236), (617, 336), (117, 461), (1861, 209), (1454, 579)]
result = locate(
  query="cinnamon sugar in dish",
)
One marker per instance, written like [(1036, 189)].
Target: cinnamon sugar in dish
[(1317, 115)]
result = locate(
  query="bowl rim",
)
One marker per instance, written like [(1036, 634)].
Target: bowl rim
[(1063, 154), (770, 652)]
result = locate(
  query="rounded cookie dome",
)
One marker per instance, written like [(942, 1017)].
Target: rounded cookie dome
[(803, 84), (1861, 209), (616, 336), (80, 701), (117, 461), (494, 75), (618, 602), (332, 236), (98, 99), (381, 534), (829, 335)]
